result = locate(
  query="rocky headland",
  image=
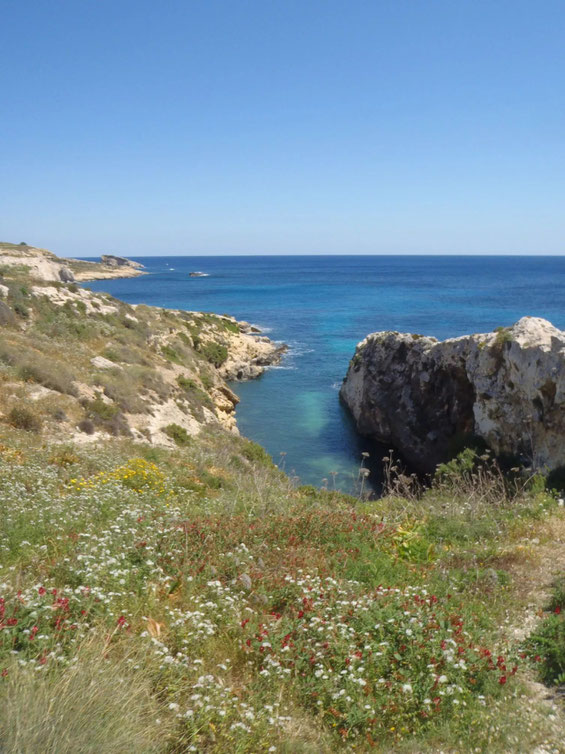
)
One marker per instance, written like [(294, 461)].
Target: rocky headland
[(44, 265), (426, 397), (80, 364)]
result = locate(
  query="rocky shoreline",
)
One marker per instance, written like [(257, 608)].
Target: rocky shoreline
[(426, 397), (90, 365)]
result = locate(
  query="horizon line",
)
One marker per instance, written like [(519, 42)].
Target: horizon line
[(402, 254)]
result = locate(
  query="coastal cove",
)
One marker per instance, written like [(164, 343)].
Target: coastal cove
[(322, 307)]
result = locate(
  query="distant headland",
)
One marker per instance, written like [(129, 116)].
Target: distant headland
[(44, 265)]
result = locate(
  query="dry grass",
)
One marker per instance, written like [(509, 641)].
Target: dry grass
[(95, 706)]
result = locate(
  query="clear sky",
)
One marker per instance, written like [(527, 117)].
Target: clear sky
[(283, 126)]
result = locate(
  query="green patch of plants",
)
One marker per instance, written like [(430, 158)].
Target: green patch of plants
[(178, 434), (22, 417), (171, 354), (256, 453), (185, 383), (230, 326), (213, 352), (546, 645), (503, 336), (101, 409), (206, 379)]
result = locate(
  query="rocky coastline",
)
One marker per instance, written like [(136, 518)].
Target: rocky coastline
[(426, 397), (46, 266), (90, 365)]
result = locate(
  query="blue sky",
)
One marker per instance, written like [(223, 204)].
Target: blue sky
[(283, 126)]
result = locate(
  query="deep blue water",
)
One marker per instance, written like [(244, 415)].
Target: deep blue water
[(322, 306)]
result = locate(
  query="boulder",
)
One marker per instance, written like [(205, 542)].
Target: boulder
[(101, 362), (65, 275), (426, 397)]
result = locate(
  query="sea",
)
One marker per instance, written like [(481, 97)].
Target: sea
[(321, 307)]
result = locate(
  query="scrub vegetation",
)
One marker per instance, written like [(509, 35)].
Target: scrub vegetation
[(107, 366)]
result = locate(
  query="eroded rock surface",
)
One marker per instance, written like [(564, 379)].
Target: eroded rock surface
[(424, 397)]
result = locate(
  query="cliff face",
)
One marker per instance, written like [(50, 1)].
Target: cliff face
[(424, 397)]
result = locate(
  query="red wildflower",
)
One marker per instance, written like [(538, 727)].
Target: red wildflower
[(502, 680)]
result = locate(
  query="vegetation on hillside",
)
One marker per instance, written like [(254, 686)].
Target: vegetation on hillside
[(195, 600), (84, 361)]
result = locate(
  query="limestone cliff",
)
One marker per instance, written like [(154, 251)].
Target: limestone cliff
[(425, 397)]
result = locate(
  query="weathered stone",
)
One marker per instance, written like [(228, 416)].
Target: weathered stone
[(101, 362), (66, 276), (425, 397)]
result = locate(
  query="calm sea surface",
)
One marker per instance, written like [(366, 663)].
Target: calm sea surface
[(322, 306)]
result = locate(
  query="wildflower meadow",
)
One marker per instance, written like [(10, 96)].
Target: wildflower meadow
[(195, 600)]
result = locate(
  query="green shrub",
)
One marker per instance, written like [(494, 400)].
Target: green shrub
[(87, 426), (101, 409), (462, 466), (185, 339), (254, 452), (106, 416), (21, 309), (213, 352), (186, 384), (207, 380), (178, 434), (171, 354), (546, 645), (212, 481), (230, 326), (23, 418)]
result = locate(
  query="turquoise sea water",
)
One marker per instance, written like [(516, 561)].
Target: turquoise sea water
[(321, 307)]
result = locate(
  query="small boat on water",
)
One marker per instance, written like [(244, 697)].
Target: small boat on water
[(198, 274)]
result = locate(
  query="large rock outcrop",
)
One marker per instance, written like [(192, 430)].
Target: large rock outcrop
[(113, 261), (425, 397)]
